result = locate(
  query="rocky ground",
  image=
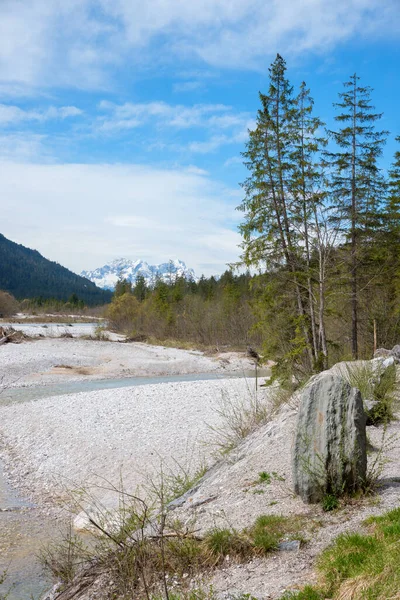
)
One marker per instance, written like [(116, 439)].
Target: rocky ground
[(50, 360), (54, 444)]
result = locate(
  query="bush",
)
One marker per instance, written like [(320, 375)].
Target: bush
[(376, 385), (123, 312), (8, 304)]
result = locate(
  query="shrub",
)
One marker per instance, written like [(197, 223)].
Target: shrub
[(377, 385), (123, 311), (8, 304), (239, 417)]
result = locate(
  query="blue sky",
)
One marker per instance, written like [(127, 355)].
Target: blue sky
[(122, 122)]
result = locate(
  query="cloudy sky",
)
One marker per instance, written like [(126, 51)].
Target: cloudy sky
[(122, 121)]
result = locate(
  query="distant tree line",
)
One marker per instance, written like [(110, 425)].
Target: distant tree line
[(211, 312)]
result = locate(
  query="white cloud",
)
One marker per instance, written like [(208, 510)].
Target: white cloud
[(11, 115), (84, 215), (130, 115), (77, 42), (23, 147), (218, 120), (188, 86)]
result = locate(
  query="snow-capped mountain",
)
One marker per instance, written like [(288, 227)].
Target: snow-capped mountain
[(122, 268)]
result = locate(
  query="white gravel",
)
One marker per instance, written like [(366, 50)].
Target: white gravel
[(57, 443), (53, 360), (54, 444), (53, 329)]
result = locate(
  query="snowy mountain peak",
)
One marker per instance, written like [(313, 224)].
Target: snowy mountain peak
[(122, 268)]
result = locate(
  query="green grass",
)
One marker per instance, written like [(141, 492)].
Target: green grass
[(377, 385), (262, 537), (264, 477), (329, 502), (224, 542), (360, 566), (181, 480)]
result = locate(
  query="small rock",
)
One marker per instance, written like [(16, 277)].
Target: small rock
[(395, 352), (289, 546), (382, 353), (388, 362)]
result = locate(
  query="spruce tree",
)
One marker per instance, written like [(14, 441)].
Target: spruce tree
[(356, 183), (140, 290), (391, 235), (269, 231), (392, 211), (308, 195)]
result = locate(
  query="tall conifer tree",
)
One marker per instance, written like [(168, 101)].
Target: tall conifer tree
[(307, 189), (356, 181), (277, 156)]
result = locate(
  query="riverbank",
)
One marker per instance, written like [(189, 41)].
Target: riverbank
[(53, 445), (50, 360)]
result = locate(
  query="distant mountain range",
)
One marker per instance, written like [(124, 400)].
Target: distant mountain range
[(122, 268), (27, 274)]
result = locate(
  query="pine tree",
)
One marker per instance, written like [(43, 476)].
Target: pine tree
[(356, 181), (268, 229), (308, 196), (140, 289), (392, 210)]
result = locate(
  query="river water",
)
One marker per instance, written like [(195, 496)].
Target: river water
[(23, 527)]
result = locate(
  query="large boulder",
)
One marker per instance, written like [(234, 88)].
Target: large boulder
[(329, 451)]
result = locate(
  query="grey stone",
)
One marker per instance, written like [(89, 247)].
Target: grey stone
[(289, 546), (370, 404), (382, 353), (395, 352), (329, 451), (388, 362)]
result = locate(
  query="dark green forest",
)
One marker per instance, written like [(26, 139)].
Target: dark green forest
[(25, 273)]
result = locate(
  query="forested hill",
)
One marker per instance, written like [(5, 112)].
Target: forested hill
[(27, 274)]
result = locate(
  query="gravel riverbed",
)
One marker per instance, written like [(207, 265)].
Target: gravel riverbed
[(53, 445)]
